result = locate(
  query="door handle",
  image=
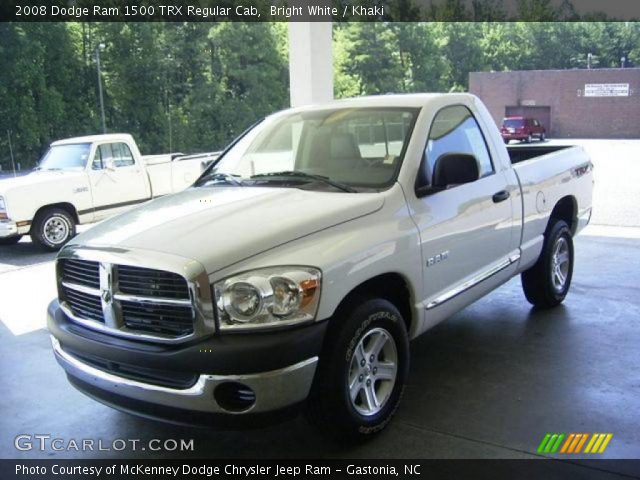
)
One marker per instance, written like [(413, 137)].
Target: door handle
[(501, 196)]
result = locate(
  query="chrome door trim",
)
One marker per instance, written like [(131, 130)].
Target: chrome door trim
[(463, 287)]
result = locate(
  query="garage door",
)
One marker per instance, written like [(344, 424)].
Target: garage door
[(542, 114)]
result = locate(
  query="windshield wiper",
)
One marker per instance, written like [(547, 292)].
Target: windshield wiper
[(220, 177), (309, 176)]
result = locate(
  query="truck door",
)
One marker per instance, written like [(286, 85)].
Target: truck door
[(466, 229), (117, 181)]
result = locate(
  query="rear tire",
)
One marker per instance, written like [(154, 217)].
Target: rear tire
[(10, 240), (547, 283), (543, 137), (52, 228), (362, 371), (529, 138)]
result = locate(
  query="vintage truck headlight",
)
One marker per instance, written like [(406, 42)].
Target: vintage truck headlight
[(268, 297)]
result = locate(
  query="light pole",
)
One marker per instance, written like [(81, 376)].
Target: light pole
[(99, 47)]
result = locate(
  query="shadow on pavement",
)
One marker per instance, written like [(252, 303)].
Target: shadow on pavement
[(23, 254)]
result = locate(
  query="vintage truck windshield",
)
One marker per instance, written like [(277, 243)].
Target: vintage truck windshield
[(64, 157), (340, 148)]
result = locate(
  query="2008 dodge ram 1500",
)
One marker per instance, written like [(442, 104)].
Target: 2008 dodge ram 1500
[(299, 266)]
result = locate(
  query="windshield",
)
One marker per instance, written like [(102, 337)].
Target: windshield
[(64, 157), (339, 148), (513, 123)]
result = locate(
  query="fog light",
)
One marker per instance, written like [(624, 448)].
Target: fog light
[(234, 397)]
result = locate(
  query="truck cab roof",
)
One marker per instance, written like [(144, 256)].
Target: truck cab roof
[(108, 137)]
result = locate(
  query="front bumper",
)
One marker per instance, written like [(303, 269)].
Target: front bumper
[(278, 369), (8, 229)]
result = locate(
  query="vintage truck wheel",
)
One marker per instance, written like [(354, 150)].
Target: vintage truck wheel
[(546, 283), (362, 371), (10, 240), (52, 228)]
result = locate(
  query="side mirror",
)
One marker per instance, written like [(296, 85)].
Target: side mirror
[(455, 169)]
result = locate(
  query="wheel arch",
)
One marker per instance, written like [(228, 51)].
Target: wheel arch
[(565, 209), (391, 286), (68, 207)]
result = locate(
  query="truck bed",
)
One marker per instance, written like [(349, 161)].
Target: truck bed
[(520, 153)]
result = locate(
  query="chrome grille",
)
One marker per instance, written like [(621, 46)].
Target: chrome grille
[(81, 272), (166, 319), (151, 283), (84, 306), (127, 299)]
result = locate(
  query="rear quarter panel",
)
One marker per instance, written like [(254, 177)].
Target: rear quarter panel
[(544, 181)]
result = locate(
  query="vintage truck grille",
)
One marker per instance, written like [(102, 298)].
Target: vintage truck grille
[(131, 299)]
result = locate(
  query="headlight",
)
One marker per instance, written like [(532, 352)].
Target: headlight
[(268, 297)]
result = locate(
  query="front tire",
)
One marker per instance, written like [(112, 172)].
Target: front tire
[(547, 283), (362, 371), (10, 240), (52, 228)]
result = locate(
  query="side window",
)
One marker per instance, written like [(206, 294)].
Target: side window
[(103, 154), (454, 129), (122, 156)]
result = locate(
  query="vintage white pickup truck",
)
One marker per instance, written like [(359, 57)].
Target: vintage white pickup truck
[(83, 180), (298, 267)]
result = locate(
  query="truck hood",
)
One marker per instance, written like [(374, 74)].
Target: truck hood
[(35, 178), (219, 226)]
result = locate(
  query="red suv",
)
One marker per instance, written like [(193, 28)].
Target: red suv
[(522, 128)]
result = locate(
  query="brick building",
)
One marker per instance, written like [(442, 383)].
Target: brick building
[(596, 103)]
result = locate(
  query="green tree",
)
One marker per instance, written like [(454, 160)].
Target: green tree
[(373, 57)]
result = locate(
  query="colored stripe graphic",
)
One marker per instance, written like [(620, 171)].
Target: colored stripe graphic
[(574, 443), (543, 443), (557, 444), (568, 442), (581, 443), (551, 442), (591, 442), (605, 443)]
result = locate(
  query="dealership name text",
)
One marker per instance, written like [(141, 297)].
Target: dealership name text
[(210, 470)]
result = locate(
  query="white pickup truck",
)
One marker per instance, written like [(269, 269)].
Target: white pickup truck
[(83, 180), (298, 268)]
